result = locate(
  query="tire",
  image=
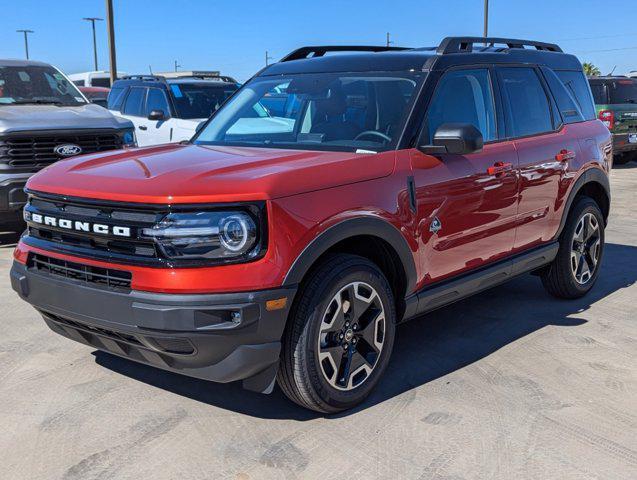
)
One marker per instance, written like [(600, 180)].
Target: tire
[(317, 333), (566, 276), (621, 159)]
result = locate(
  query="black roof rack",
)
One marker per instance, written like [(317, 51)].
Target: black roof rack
[(319, 51), (156, 78), (221, 78), (465, 44)]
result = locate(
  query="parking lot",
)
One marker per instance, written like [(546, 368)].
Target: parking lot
[(508, 384)]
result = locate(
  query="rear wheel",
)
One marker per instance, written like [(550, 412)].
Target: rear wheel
[(339, 337), (576, 266)]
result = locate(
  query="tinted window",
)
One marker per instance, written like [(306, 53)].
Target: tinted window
[(600, 95), (578, 87), (156, 100), (199, 100), (115, 98), (101, 82), (527, 108), (135, 102), (463, 96), (79, 83), (623, 91), (570, 111)]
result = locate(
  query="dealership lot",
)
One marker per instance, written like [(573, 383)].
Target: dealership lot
[(508, 384)]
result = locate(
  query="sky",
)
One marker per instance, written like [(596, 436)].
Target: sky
[(233, 36)]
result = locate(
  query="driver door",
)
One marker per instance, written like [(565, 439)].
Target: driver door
[(466, 204)]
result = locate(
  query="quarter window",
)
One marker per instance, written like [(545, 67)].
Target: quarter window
[(135, 102), (463, 96), (527, 107), (578, 87)]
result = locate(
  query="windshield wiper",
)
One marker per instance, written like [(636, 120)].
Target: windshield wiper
[(37, 102)]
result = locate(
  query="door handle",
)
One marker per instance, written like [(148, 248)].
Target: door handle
[(499, 167), (143, 127), (565, 155)]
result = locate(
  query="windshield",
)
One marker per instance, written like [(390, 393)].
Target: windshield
[(199, 100), (37, 84), (623, 91), (326, 111)]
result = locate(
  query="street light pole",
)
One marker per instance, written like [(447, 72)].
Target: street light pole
[(93, 20), (26, 40), (110, 23)]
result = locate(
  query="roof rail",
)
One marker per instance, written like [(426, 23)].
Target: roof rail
[(319, 51), (156, 78), (465, 44), (221, 78)]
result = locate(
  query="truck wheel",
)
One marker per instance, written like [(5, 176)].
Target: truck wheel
[(339, 337), (576, 267)]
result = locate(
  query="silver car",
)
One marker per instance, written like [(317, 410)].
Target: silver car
[(44, 118)]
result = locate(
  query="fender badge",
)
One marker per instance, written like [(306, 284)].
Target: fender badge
[(435, 225)]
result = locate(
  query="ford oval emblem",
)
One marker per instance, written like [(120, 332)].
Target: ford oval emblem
[(68, 150)]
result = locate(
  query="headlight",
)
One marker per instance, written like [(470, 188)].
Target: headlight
[(128, 138), (220, 235)]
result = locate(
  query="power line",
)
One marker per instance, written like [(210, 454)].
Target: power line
[(607, 50), (599, 37)]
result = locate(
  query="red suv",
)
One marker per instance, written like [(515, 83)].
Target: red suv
[(287, 246)]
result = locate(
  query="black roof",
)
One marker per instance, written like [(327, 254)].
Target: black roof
[(158, 80), (451, 51)]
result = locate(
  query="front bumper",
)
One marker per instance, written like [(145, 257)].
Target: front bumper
[(621, 144), (194, 334)]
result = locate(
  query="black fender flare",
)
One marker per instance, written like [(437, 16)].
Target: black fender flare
[(591, 175), (351, 228)]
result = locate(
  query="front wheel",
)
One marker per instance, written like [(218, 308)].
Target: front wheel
[(576, 266), (339, 337)]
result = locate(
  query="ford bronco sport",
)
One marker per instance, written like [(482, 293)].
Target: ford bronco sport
[(288, 248), (44, 118), (616, 103)]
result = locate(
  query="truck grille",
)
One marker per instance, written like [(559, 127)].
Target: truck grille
[(97, 276), (33, 151)]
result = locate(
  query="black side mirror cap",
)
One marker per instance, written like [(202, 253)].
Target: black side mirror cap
[(455, 138), (156, 115)]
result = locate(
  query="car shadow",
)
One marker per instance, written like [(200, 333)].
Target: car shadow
[(426, 348)]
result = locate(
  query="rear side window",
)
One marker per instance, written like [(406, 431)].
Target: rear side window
[(115, 98), (600, 94), (578, 87), (157, 101), (463, 96), (79, 83), (566, 104), (101, 82), (527, 107), (134, 104)]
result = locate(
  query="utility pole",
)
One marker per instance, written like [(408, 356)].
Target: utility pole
[(177, 65), (486, 19), (267, 58), (389, 42), (26, 40), (93, 20), (110, 24)]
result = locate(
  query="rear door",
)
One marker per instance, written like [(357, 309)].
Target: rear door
[(545, 149), (466, 204)]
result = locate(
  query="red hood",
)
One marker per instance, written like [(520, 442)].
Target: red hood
[(198, 174)]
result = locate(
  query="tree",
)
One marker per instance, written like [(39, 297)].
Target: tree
[(591, 70)]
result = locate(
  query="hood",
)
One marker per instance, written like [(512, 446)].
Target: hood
[(18, 118), (204, 174)]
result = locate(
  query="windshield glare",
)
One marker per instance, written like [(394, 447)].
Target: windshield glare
[(199, 100), (336, 111), (37, 84)]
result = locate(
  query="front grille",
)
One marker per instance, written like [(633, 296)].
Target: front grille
[(95, 276), (36, 150)]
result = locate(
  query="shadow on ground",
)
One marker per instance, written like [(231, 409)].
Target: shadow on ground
[(426, 348)]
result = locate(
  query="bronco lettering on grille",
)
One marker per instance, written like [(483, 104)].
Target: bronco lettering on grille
[(79, 226)]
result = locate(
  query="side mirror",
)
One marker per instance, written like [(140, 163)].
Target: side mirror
[(156, 115), (199, 126), (455, 138)]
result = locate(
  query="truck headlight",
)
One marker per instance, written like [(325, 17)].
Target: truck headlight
[(128, 138), (215, 235)]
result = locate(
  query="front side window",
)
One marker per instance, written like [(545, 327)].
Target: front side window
[(134, 104), (463, 96), (326, 111), (37, 85), (527, 107), (201, 99), (156, 100)]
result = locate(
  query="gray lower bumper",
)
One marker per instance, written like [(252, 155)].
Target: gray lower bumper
[(196, 335)]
